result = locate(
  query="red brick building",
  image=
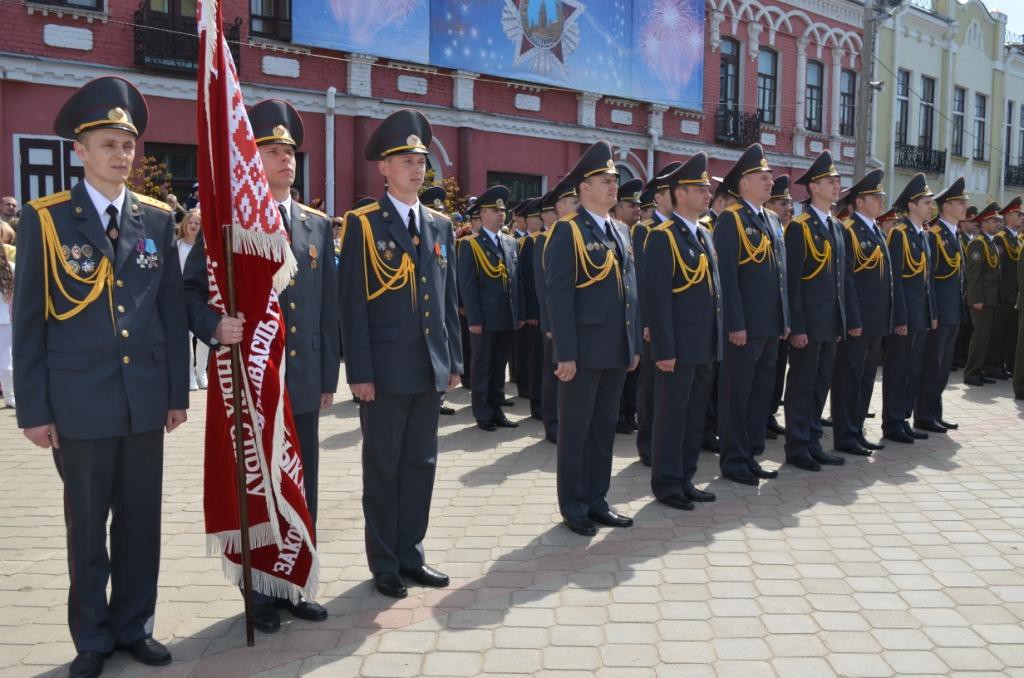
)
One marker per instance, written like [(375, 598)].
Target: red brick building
[(783, 74)]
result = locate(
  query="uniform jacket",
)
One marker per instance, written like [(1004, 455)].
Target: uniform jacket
[(684, 308), (870, 284), (913, 296), (983, 271), (495, 303), (538, 280), (638, 235), (531, 304), (1011, 249), (309, 305), (948, 256), (406, 340), (817, 288), (595, 323), (754, 294), (121, 363)]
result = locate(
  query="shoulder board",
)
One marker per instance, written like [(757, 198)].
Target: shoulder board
[(648, 223), (936, 229), (312, 210), (152, 202), (535, 234), (902, 228), (706, 220), (366, 209), (570, 216), (50, 200), (663, 226), (848, 222), (735, 207)]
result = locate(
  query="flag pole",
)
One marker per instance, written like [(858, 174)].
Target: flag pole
[(236, 395)]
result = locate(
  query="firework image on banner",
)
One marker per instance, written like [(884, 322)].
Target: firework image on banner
[(640, 49)]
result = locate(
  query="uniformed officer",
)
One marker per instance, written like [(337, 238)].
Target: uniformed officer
[(983, 289), (1004, 330), (590, 283), (646, 205), (564, 202), (310, 309), (529, 335), (947, 276), (660, 190), (913, 311), (967, 230), (526, 339), (781, 202), (683, 314), (492, 293), (756, 312), (399, 321), (869, 306), (627, 210), (816, 284), (467, 349), (100, 363), (434, 198)]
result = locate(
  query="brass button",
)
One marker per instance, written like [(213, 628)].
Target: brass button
[(426, 297), (119, 283), (291, 283), (426, 331), (627, 305), (124, 333), (120, 308), (292, 353), (291, 305), (423, 279), (426, 314), (294, 329), (126, 360)]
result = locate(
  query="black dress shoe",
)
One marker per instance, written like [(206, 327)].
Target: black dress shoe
[(855, 449), (623, 427), (864, 442), (486, 425), (304, 609), (711, 444), (775, 427), (770, 435), (1018, 396), (932, 426), (390, 584), (998, 373), (974, 381), (826, 459), (677, 501), (87, 665), (763, 474), (987, 380), (610, 518), (551, 437), (826, 421), (508, 402), (803, 461), (693, 494), (502, 421), (424, 575), (646, 461), (952, 425), (741, 477), (870, 415), (898, 436), (916, 435), (265, 618), (583, 526), (148, 651), (447, 411)]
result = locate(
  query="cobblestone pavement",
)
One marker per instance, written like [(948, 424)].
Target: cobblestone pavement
[(910, 562)]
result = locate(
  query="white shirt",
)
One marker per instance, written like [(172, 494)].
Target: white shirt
[(757, 210), (183, 249), (870, 222), (659, 217), (287, 205), (495, 238), (823, 216), (101, 202), (689, 224), (403, 210), (951, 227), (602, 223)]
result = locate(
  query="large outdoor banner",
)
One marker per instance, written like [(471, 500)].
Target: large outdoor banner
[(651, 50)]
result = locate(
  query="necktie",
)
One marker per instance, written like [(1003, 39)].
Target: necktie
[(611, 236), (284, 218), (112, 229), (413, 231)]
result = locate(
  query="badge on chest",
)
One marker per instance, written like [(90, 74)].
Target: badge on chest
[(146, 255)]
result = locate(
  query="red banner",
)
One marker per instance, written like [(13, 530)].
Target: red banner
[(233, 191)]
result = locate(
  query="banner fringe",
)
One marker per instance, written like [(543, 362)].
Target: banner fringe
[(270, 246), (220, 543)]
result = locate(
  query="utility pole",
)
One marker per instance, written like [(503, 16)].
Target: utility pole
[(864, 90)]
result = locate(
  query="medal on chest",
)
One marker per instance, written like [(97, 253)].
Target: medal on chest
[(146, 254)]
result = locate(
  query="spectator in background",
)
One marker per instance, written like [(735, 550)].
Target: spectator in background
[(179, 211), (317, 204), (193, 199), (9, 210), (6, 297), (199, 353)]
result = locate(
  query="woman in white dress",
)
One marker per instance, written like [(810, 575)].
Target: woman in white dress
[(6, 297), (199, 353)]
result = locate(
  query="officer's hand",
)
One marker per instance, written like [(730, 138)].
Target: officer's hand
[(566, 371), (175, 418), (533, 322), (362, 391), (43, 436), (901, 330), (798, 340), (738, 338), (326, 400), (229, 330), (647, 334), (785, 334), (476, 329), (978, 307), (667, 365), (453, 381), (635, 363), (519, 325), (547, 334), (855, 332), (935, 323)]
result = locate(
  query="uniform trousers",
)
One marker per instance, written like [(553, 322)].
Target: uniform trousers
[(491, 352), (938, 361), (678, 427), (549, 391), (588, 407), (901, 377), (745, 383), (120, 478), (645, 399), (807, 384)]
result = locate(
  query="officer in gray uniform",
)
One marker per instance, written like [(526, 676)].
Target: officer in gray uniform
[(400, 327), (434, 198), (683, 314), (627, 210), (816, 284), (100, 364), (492, 294), (590, 283), (310, 308), (752, 269)]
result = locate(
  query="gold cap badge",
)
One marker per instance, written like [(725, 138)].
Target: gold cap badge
[(413, 141), (117, 115), (281, 132)]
